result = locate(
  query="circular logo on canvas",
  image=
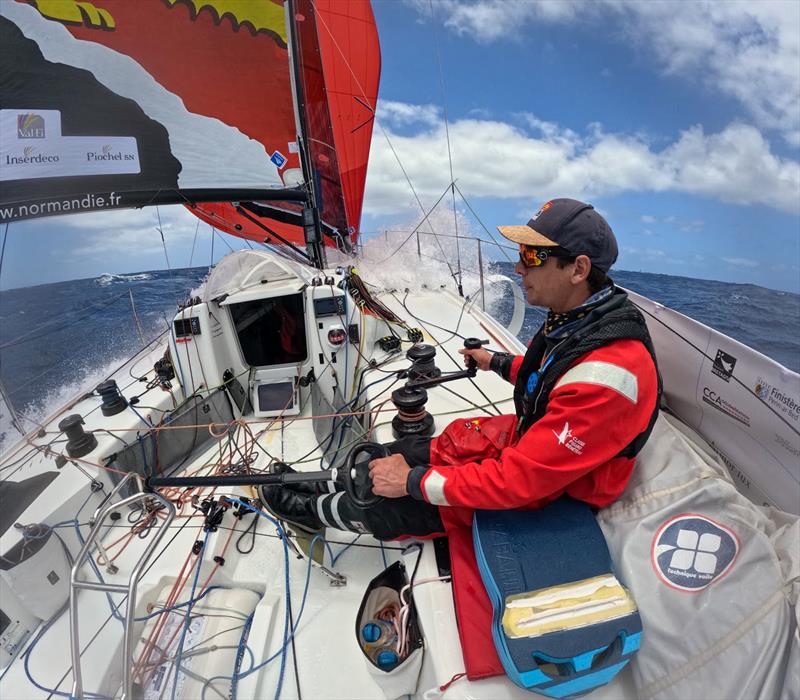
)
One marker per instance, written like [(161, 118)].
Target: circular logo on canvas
[(690, 552)]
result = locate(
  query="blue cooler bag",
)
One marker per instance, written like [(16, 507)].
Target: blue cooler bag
[(562, 623)]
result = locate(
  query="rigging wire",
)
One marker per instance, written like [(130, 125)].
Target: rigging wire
[(4, 398), (472, 380), (3, 249), (222, 238), (26, 337), (449, 150), (163, 242), (211, 262), (502, 247), (415, 229), (194, 242)]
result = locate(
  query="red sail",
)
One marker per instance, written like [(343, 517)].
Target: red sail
[(339, 68)]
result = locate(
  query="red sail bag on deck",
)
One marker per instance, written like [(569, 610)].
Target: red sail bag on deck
[(471, 440)]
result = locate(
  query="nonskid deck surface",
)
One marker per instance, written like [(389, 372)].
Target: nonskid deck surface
[(323, 658)]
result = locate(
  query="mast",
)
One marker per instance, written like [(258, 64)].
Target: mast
[(312, 230)]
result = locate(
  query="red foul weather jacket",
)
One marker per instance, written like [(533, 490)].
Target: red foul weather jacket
[(598, 405)]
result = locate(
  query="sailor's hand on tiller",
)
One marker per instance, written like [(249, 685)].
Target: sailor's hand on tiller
[(389, 475), (482, 357)]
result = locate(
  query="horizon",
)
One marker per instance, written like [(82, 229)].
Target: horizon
[(613, 270)]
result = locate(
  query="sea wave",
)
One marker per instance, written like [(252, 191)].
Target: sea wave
[(107, 278), (35, 412)]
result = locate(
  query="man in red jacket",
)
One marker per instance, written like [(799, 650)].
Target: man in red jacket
[(586, 394)]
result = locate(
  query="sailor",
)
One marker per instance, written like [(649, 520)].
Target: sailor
[(586, 395)]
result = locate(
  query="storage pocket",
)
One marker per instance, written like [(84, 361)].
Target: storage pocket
[(388, 633)]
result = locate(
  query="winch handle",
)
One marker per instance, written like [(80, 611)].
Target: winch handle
[(375, 450), (473, 344)]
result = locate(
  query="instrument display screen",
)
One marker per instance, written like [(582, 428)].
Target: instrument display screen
[(329, 306), (276, 396)]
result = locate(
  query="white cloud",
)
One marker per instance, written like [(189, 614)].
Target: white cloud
[(740, 262), (131, 231), (403, 114), (749, 51), (497, 159), (693, 226), (647, 219)]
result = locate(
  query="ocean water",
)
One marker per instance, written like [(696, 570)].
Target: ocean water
[(59, 339)]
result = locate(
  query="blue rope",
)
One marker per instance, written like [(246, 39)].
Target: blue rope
[(342, 551), (240, 655), (27, 655), (286, 637), (143, 419), (287, 640), (90, 559)]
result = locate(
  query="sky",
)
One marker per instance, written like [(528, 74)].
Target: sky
[(678, 121)]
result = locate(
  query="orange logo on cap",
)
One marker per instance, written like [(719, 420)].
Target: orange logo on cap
[(544, 208)]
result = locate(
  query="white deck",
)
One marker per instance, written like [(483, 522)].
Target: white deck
[(324, 660)]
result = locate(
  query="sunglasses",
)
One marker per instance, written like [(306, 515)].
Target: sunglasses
[(536, 257)]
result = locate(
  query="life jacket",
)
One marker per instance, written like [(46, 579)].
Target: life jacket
[(615, 319)]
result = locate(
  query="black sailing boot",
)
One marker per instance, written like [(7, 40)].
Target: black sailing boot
[(296, 508)]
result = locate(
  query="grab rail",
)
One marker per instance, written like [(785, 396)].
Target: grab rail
[(77, 585)]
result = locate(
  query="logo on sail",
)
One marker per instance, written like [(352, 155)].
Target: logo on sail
[(30, 156), (30, 126), (690, 552), (777, 397), (723, 365), (107, 152), (713, 399), (278, 159)]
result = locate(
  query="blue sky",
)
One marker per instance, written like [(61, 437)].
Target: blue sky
[(679, 121)]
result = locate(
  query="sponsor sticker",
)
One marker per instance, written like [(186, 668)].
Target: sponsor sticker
[(690, 551), (723, 365), (787, 404), (30, 126), (715, 400), (278, 159), (54, 155)]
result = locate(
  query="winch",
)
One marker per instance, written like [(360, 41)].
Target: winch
[(410, 400)]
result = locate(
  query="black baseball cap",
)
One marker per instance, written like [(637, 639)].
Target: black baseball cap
[(572, 225)]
